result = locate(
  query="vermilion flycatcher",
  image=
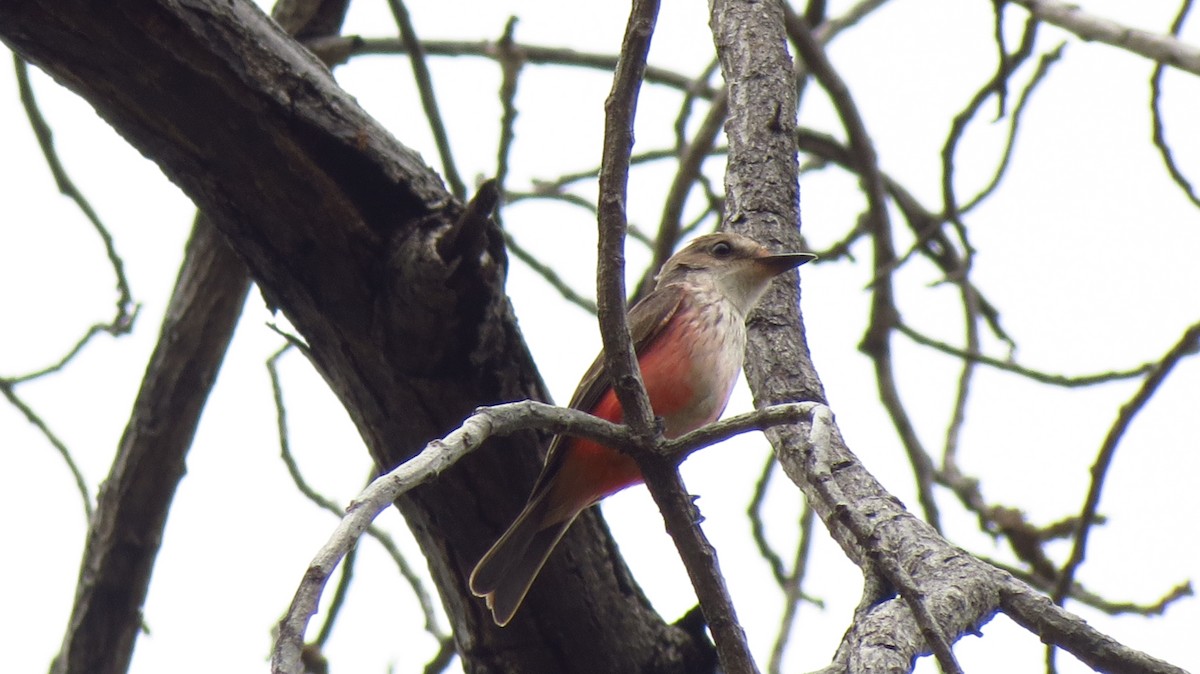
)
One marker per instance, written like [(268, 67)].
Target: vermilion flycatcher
[(689, 335)]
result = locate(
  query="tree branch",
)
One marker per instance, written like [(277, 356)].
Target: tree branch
[(356, 240), (439, 455), (1186, 346), (1160, 48), (131, 511), (620, 361)]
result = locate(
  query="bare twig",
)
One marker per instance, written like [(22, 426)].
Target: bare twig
[(851, 17), (534, 55), (510, 71), (690, 162), (1082, 595), (1043, 68), (1050, 378), (416, 56), (1186, 346), (958, 126), (758, 420), (548, 274), (591, 173), (1160, 137), (958, 415), (61, 362), (1160, 48), (883, 307), (688, 104), (439, 455), (793, 590), (126, 309), (758, 530), (7, 389), (382, 537), (620, 361)]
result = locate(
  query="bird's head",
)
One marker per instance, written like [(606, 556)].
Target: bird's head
[(737, 266)]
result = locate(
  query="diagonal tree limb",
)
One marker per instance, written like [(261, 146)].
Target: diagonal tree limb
[(958, 592), (1159, 48), (131, 511), (660, 471), (620, 109), (349, 233), (125, 532)]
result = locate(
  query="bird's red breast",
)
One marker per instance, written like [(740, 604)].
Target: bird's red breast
[(688, 369)]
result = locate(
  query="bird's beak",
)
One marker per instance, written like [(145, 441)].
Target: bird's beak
[(781, 262)]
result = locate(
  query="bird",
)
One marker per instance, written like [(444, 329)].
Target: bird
[(689, 336)]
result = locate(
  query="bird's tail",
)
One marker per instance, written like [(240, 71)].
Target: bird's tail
[(507, 570)]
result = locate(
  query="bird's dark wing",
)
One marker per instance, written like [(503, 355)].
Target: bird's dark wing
[(647, 319)]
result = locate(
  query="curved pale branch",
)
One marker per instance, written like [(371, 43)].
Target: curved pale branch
[(440, 455), (1154, 46)]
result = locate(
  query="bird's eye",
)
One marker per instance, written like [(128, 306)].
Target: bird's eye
[(721, 249)]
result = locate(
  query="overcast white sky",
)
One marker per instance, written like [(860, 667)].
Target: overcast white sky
[(1087, 249)]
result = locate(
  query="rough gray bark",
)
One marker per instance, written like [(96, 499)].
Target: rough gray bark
[(402, 304), (917, 584)]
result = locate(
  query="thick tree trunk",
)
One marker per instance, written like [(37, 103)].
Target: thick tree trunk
[(400, 299)]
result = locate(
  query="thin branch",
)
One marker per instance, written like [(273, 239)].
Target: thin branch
[(758, 420), (852, 16), (439, 455), (1052, 379), (689, 104), (382, 537), (510, 75), (758, 530), (883, 305), (6, 387), (566, 179), (544, 190), (1187, 346), (1160, 131), (61, 362), (958, 126), (620, 361), (958, 415), (1160, 48), (548, 274), (1043, 68), (691, 161), (682, 520), (408, 36), (126, 309), (348, 46), (793, 590), (1082, 595), (1004, 68)]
